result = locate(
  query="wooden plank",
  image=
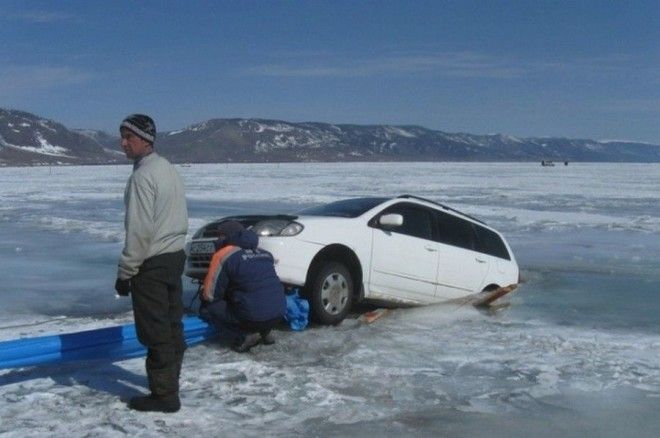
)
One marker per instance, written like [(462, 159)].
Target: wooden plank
[(484, 301), (373, 315)]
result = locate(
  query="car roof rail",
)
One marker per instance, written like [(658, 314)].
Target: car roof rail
[(442, 206)]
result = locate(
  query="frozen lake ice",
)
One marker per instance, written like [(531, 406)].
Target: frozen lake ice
[(576, 353)]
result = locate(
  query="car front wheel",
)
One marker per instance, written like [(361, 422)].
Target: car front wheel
[(331, 293)]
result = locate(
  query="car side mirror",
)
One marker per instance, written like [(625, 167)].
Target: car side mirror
[(391, 220)]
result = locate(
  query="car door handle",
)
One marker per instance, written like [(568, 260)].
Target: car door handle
[(430, 248), (480, 260)]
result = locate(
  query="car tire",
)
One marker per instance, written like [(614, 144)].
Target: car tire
[(331, 293)]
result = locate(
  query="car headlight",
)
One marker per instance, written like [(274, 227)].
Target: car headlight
[(277, 227)]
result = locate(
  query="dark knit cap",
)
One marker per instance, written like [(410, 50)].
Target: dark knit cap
[(230, 227), (227, 230), (140, 125)]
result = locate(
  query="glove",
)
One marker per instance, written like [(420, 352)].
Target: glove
[(123, 287)]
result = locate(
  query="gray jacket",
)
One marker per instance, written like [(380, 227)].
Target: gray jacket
[(156, 219)]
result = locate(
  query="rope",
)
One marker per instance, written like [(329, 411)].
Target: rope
[(197, 295)]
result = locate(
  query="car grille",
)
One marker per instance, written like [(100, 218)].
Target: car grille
[(199, 260)]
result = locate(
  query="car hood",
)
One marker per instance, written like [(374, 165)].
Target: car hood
[(212, 229)]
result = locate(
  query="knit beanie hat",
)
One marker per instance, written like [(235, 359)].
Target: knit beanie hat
[(140, 125), (227, 230)]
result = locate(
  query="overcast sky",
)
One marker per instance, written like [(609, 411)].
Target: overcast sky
[(584, 69)]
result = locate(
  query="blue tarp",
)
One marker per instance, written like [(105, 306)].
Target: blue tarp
[(297, 311), (110, 343)]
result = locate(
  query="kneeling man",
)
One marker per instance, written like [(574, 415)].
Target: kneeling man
[(242, 295)]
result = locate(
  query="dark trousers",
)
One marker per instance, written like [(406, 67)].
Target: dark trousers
[(156, 292), (230, 328)]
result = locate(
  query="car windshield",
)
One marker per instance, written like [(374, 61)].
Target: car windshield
[(343, 208)]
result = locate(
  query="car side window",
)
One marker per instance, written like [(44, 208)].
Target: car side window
[(454, 231), (490, 243), (417, 220)]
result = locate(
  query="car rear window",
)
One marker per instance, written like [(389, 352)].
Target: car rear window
[(454, 231), (490, 243), (344, 208)]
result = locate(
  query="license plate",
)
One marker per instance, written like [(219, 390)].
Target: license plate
[(202, 248)]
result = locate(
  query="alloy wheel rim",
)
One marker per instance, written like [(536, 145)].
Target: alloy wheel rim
[(334, 293)]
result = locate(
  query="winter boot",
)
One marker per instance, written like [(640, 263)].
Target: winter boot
[(266, 337), (164, 387), (155, 403), (244, 343)]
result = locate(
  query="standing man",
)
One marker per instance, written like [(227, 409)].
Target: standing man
[(152, 260)]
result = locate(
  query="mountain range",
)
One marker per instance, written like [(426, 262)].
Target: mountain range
[(27, 139)]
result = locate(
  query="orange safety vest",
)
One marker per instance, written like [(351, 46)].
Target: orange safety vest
[(215, 267)]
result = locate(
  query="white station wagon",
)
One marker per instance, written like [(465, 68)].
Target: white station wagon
[(405, 250)]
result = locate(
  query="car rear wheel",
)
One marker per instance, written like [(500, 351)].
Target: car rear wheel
[(331, 293)]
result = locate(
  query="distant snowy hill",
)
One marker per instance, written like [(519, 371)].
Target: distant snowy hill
[(28, 139), (246, 140)]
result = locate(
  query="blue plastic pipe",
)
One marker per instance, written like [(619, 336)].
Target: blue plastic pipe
[(110, 343)]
